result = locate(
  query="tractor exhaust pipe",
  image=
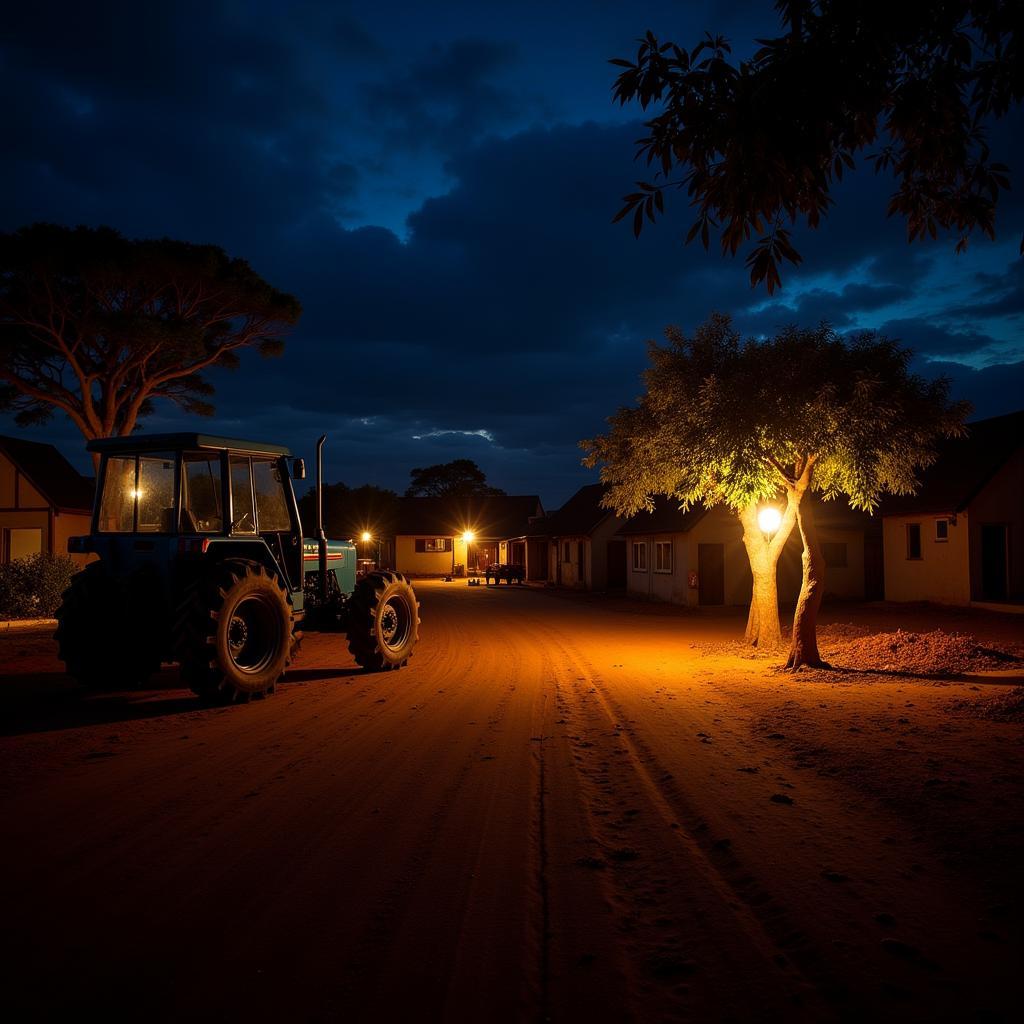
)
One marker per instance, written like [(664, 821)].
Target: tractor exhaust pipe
[(320, 535)]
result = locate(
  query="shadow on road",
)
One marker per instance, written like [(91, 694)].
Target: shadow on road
[(48, 701)]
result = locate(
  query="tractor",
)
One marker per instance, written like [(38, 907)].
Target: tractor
[(201, 560)]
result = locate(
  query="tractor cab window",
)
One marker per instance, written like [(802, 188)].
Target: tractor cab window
[(155, 494), (138, 494), (243, 515), (117, 503), (201, 493), (271, 498)]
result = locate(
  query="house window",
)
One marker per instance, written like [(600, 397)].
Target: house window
[(639, 556), (914, 541), (663, 556), (941, 530), (433, 544), (566, 556), (835, 555)]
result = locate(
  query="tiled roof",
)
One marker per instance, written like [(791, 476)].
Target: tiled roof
[(964, 466), (667, 517), (490, 517), (581, 514), (50, 473)]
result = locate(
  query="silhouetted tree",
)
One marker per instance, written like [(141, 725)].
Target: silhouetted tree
[(757, 144), (743, 423), (461, 478), (99, 326), (348, 511)]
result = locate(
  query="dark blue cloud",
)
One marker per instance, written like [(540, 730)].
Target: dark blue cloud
[(439, 192)]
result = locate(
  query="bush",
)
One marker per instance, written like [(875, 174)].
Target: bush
[(31, 588)]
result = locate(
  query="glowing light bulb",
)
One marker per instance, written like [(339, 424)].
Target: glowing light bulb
[(367, 536), (769, 519), (468, 536)]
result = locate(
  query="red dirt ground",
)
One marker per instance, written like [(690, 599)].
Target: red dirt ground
[(565, 808)]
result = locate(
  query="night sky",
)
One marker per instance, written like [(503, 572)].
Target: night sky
[(436, 183)]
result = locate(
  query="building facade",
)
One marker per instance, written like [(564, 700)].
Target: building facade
[(44, 500)]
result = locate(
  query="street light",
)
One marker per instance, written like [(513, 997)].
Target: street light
[(769, 519)]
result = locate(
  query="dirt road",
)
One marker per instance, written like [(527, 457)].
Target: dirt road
[(561, 810)]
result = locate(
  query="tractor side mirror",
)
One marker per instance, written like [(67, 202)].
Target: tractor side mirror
[(299, 469)]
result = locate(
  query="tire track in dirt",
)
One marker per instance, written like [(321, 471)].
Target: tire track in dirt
[(795, 983)]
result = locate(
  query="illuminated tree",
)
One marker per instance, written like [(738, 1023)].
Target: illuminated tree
[(99, 326), (758, 144), (740, 423), (459, 478)]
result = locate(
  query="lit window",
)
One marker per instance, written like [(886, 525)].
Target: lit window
[(663, 556), (425, 544), (639, 556)]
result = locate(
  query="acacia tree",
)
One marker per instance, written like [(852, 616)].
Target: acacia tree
[(458, 478), (99, 326), (758, 144), (723, 421)]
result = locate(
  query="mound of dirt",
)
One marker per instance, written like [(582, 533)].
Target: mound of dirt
[(926, 654), (1003, 707)]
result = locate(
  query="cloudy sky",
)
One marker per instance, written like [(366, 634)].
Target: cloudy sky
[(436, 183)]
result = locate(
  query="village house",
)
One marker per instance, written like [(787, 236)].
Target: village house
[(960, 538), (698, 558), (430, 532), (583, 547), (44, 500)]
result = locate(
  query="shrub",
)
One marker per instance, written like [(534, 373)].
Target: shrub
[(31, 587)]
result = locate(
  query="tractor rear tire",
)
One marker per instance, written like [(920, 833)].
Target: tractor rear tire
[(384, 621), (106, 631), (236, 632)]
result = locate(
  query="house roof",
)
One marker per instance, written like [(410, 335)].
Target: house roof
[(490, 517), (580, 515), (964, 466), (50, 473), (667, 517)]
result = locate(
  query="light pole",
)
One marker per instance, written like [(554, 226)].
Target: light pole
[(366, 537), (467, 539)]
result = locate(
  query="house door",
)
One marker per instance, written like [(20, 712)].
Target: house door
[(993, 561), (711, 573), (616, 564), (874, 568)]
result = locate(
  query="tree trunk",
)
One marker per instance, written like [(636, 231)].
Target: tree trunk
[(763, 630), (804, 647)]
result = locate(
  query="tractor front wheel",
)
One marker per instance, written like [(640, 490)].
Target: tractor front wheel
[(384, 621), (236, 632)]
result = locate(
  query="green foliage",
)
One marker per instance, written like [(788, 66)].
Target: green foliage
[(31, 587), (737, 422), (460, 478), (759, 143), (348, 511), (99, 326)]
